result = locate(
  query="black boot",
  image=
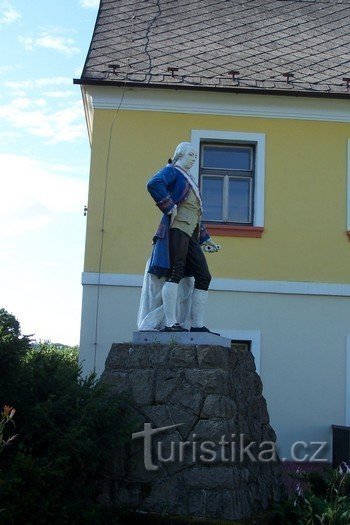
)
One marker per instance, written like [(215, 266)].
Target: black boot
[(175, 328), (202, 329)]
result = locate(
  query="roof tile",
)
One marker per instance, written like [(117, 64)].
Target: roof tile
[(205, 39)]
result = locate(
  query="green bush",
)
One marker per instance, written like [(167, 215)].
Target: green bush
[(321, 499), (13, 347), (68, 428)]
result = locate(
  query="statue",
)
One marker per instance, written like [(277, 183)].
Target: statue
[(177, 277)]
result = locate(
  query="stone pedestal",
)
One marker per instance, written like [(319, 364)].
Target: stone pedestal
[(217, 459)]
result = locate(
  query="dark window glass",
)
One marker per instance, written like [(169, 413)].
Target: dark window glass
[(212, 189), (223, 157), (239, 200)]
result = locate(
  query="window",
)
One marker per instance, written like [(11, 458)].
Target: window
[(230, 170), (227, 182)]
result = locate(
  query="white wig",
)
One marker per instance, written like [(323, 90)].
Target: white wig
[(181, 149)]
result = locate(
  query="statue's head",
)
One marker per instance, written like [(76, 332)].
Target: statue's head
[(185, 155)]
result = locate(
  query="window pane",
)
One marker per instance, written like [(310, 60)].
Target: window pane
[(239, 206), (212, 188), (222, 157)]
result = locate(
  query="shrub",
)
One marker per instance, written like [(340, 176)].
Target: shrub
[(321, 499), (13, 347), (68, 428), (326, 498)]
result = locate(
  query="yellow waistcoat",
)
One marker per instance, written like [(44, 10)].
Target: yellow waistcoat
[(188, 214)]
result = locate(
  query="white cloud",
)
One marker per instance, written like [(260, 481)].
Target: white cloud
[(25, 102), (22, 103), (42, 235), (77, 72), (35, 193), (35, 117), (64, 45), (8, 14), (49, 41), (8, 136), (8, 68), (39, 83), (40, 102), (89, 3), (59, 94), (52, 81), (17, 92), (56, 116), (27, 42)]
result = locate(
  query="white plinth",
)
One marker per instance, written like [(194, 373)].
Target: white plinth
[(183, 338)]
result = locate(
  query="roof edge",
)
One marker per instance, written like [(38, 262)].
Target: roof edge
[(254, 91)]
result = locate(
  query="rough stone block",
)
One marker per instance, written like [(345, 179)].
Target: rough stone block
[(166, 383), (213, 357), (213, 503), (209, 477), (118, 381), (216, 405), (188, 397), (135, 468), (117, 357), (268, 433), (180, 415), (163, 497), (142, 384), (158, 355), (138, 357), (237, 505), (211, 430), (196, 503), (158, 415), (183, 356), (257, 384), (210, 381)]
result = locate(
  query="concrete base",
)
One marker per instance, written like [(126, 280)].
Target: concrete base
[(183, 338)]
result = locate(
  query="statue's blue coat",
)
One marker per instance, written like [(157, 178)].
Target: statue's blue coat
[(167, 187)]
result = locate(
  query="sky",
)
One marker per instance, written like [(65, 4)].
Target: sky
[(44, 164)]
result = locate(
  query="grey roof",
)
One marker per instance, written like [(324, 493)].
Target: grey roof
[(136, 41)]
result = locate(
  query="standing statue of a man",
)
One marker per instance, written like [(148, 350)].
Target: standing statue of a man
[(177, 251)]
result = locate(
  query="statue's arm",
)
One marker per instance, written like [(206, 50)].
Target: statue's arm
[(203, 234), (159, 189), (205, 240)]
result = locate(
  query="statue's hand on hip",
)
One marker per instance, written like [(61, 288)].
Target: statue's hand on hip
[(210, 246), (173, 214)]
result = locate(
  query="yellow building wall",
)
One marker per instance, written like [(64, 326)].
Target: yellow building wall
[(305, 196)]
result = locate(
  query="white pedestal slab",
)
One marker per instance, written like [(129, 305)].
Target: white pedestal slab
[(181, 338)]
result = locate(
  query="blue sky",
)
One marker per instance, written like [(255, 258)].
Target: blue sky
[(44, 163)]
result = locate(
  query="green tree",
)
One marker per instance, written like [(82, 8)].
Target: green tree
[(13, 348), (68, 427)]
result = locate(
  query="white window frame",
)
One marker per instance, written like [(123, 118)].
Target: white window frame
[(257, 139)]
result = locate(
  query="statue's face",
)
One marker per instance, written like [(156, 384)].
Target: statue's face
[(188, 158)]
